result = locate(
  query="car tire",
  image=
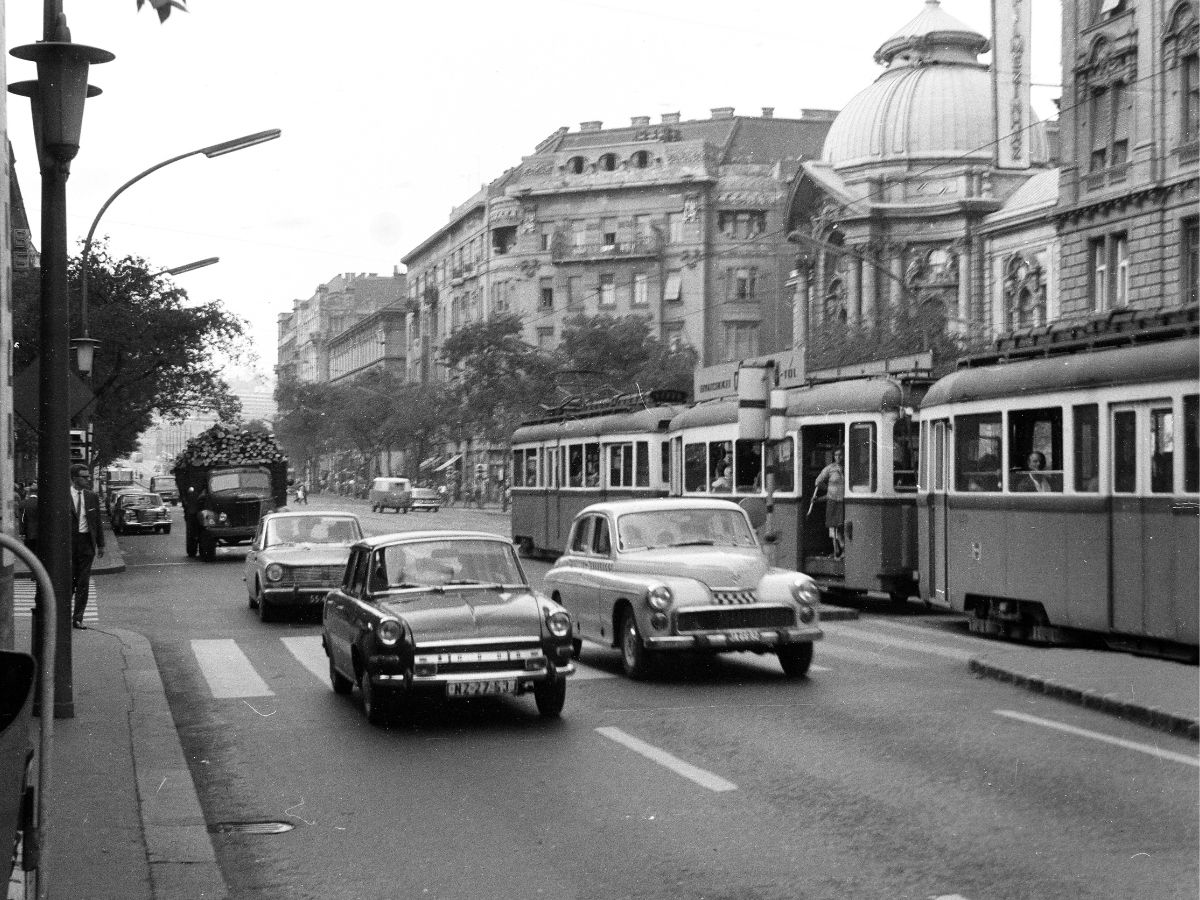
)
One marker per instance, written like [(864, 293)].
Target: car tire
[(636, 659), (576, 648), (341, 684), (265, 611), (167, 530), (377, 702), (550, 697), (251, 592), (796, 659)]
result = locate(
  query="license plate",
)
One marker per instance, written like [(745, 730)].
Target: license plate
[(744, 636), (480, 688)]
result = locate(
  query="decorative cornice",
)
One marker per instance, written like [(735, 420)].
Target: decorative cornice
[(1153, 194)]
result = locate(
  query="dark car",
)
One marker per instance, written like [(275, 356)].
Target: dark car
[(139, 511), (444, 612)]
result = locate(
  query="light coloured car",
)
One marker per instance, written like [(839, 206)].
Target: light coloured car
[(448, 613), (661, 575), (296, 558)]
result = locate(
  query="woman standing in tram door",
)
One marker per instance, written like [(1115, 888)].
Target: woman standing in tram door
[(833, 480)]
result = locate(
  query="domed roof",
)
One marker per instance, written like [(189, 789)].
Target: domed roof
[(934, 101)]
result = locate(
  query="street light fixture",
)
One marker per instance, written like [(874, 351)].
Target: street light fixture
[(57, 98), (212, 151), (192, 266)]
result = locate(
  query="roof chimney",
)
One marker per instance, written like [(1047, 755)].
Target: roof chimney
[(639, 121), (722, 112), (768, 112), (670, 118), (590, 126)]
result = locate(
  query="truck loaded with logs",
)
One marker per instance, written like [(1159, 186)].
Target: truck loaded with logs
[(228, 479)]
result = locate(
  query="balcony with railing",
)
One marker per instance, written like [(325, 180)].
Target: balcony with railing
[(645, 247)]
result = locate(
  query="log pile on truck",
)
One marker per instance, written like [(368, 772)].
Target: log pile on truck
[(228, 478)]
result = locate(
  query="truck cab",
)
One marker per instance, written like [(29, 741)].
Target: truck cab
[(222, 506)]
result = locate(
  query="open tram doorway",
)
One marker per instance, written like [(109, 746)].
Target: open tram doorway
[(816, 551)]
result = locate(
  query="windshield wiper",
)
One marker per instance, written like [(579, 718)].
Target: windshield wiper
[(694, 544)]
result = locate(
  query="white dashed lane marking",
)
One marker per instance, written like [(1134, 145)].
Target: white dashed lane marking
[(228, 671), (663, 758), (1098, 736)]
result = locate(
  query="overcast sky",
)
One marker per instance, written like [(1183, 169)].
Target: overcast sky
[(393, 112)]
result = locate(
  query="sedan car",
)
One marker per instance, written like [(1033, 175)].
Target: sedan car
[(425, 498), (140, 511), (110, 500), (448, 613), (657, 576), (296, 558)]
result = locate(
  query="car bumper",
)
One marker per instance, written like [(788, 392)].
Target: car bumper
[(425, 504), (231, 535), (523, 679), (144, 526), (742, 639), (296, 595)]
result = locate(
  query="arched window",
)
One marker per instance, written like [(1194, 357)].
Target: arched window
[(1180, 44), (1024, 291), (607, 162), (835, 300), (575, 165), (640, 160)]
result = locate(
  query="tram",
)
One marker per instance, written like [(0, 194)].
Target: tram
[(1059, 481), (871, 420), (581, 454)]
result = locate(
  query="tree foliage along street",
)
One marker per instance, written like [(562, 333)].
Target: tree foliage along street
[(156, 356), (495, 381)]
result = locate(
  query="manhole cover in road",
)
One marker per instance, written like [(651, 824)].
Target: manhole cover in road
[(251, 827)]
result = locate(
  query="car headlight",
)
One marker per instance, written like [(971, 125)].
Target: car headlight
[(559, 623), (207, 517), (222, 518), (659, 597), (274, 572), (388, 632)]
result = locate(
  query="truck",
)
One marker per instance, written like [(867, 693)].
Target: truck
[(228, 478)]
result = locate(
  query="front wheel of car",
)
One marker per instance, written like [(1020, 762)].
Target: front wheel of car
[(167, 529), (550, 697), (265, 612), (377, 702), (341, 684), (796, 659), (636, 659)]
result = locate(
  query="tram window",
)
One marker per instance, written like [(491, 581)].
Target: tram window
[(641, 464), (748, 466), (781, 457), (977, 452), (695, 468), (1087, 448), (664, 450), (620, 465), (720, 455), (1191, 443), (905, 441), (591, 465), (550, 470), (1162, 443), (531, 468), (518, 468), (1124, 457), (862, 457), (1035, 450), (575, 465)]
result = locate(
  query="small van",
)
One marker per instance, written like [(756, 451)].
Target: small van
[(391, 493), (164, 486)]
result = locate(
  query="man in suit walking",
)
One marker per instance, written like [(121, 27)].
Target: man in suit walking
[(87, 538)]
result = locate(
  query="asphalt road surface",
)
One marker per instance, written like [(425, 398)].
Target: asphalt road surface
[(890, 772)]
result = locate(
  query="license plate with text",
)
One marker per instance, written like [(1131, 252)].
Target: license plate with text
[(743, 636), (480, 688)]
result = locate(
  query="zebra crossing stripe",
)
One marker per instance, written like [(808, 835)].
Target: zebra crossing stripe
[(227, 670), (310, 653), (25, 594)]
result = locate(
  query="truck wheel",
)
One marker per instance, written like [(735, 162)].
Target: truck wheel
[(208, 549), (190, 541)]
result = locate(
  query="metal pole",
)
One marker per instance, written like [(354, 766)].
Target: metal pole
[(47, 604)]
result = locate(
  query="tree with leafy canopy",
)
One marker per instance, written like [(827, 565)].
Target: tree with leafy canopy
[(305, 423), (607, 355), (156, 356)]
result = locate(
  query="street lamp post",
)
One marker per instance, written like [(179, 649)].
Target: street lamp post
[(211, 151), (57, 98)]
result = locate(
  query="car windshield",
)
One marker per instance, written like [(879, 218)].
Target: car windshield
[(445, 562), (684, 527), (315, 529), (231, 481), (142, 500)]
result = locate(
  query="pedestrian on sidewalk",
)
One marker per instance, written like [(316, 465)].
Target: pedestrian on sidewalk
[(29, 520), (87, 539)]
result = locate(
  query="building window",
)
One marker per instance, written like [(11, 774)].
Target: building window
[(547, 293), (1120, 259), (608, 290), (607, 162), (1024, 290), (741, 341), (608, 232), (1190, 111), (742, 283), (640, 160), (1190, 261), (673, 292), (835, 301), (742, 224), (1109, 267), (672, 333), (641, 288), (547, 237), (575, 165), (675, 228), (1109, 126), (545, 338), (641, 228)]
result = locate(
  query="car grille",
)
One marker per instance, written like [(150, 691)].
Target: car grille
[(329, 575), (468, 658), (243, 513), (731, 617), (147, 515)]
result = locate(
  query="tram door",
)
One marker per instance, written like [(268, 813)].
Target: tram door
[(815, 550), (935, 578)]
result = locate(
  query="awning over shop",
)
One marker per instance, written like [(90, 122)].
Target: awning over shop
[(429, 463), (448, 463)]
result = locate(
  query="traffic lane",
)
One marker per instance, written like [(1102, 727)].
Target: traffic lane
[(922, 751)]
